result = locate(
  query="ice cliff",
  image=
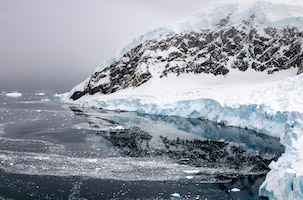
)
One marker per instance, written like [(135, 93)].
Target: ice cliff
[(232, 64)]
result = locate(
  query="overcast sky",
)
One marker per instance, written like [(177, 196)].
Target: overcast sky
[(56, 44)]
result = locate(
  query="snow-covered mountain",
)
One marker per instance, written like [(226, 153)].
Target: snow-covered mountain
[(222, 40), (234, 64)]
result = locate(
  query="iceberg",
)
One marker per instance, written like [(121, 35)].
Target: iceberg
[(14, 94), (177, 195), (191, 171), (40, 94), (116, 129), (235, 190)]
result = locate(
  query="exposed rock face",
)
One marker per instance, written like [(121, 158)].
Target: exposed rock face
[(215, 51), (300, 70)]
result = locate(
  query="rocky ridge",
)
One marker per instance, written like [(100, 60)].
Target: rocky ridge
[(216, 51)]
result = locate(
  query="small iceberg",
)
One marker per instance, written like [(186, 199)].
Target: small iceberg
[(14, 94), (191, 171), (116, 129), (40, 94), (235, 190), (59, 96), (175, 195)]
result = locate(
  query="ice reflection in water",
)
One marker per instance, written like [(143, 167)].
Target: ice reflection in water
[(43, 143), (218, 152)]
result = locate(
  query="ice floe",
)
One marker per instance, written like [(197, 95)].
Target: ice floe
[(14, 94), (235, 190), (175, 195)]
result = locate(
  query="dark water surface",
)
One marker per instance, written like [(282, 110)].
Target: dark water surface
[(50, 150)]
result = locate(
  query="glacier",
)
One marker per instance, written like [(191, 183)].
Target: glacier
[(279, 115), (269, 104)]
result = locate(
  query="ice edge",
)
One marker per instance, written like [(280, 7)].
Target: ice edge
[(285, 179)]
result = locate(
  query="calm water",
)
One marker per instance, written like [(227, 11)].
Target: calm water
[(50, 150)]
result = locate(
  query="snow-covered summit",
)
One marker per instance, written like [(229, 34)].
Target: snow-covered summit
[(275, 14), (263, 37)]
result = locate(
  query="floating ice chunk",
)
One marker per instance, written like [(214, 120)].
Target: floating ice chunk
[(191, 171), (92, 160), (60, 96), (235, 190), (40, 94), (14, 94), (116, 129), (175, 195)]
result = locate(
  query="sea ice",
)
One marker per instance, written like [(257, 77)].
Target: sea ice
[(191, 171), (116, 129), (14, 94), (175, 195), (40, 94), (235, 190)]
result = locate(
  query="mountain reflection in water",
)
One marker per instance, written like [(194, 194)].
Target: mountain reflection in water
[(220, 153)]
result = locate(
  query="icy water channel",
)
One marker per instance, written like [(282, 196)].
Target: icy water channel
[(50, 150)]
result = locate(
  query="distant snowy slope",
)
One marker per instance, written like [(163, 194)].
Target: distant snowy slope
[(275, 15), (265, 37)]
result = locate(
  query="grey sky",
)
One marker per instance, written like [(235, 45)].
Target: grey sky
[(56, 44)]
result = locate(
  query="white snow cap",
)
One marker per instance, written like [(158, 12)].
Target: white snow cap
[(275, 13), (272, 13)]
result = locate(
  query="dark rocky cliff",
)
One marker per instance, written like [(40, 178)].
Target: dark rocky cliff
[(214, 51)]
